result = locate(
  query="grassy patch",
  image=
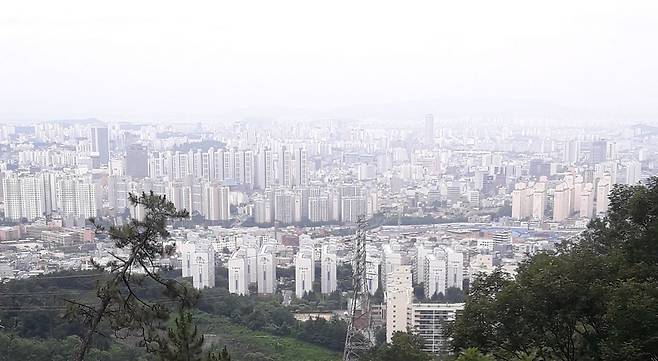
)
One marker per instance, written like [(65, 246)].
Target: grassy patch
[(247, 345)]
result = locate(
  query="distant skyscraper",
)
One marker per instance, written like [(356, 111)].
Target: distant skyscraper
[(587, 201), (203, 273), (215, 202), (285, 174), (318, 209), (266, 270), (561, 202), (328, 283), (136, 161), (304, 266), (399, 294), (300, 173), (429, 129), (100, 144), (78, 197), (283, 207), (238, 278), (429, 320), (602, 193), (571, 151), (599, 151), (11, 188), (187, 258), (264, 169), (454, 269), (522, 197), (391, 260), (435, 275), (633, 172), (419, 263), (539, 201)]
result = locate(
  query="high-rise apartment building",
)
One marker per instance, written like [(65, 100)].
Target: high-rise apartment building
[(633, 172), (399, 295), (429, 129), (266, 270), (328, 282), (391, 260), (100, 144), (215, 202), (430, 321), (561, 202), (264, 169), (435, 275), (136, 161), (602, 193), (11, 189), (538, 201), (238, 277), (304, 271), (203, 274), (586, 208), (300, 172), (284, 171)]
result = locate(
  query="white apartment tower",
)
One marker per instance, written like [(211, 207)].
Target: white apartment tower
[(328, 283), (391, 260), (284, 175), (602, 193), (203, 275), (300, 173), (11, 189), (435, 275), (429, 320), (522, 197), (215, 202), (561, 202), (454, 269), (266, 270), (587, 201), (399, 295), (419, 262), (264, 169), (238, 277), (304, 267), (633, 172), (539, 201)]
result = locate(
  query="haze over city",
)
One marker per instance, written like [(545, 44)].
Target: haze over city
[(354, 181), (215, 61)]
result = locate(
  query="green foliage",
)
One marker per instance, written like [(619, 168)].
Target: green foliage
[(330, 334), (403, 347), (245, 344), (14, 348), (268, 314), (118, 305), (473, 354), (222, 355), (183, 343), (593, 299)]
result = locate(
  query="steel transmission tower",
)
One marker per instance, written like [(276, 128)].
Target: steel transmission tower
[(360, 335)]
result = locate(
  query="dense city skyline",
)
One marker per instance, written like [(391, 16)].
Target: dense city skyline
[(302, 181)]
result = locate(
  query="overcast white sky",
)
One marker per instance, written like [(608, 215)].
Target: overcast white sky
[(158, 59)]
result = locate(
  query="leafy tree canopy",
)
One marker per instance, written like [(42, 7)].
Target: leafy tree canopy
[(594, 298)]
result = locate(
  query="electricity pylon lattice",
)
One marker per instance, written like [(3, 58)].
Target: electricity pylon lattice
[(360, 335)]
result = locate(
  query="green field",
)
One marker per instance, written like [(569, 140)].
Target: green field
[(247, 345)]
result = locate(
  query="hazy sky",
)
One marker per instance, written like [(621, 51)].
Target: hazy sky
[(185, 59)]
